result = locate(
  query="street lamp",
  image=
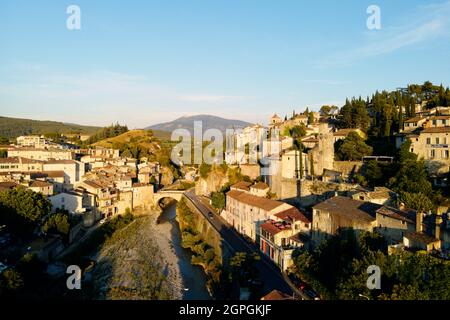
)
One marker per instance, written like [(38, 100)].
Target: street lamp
[(363, 296)]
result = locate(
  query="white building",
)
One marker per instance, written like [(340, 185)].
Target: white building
[(73, 170)]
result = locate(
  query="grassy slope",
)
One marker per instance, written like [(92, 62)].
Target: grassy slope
[(141, 137)]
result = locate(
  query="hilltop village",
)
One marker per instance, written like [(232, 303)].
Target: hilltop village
[(377, 167)]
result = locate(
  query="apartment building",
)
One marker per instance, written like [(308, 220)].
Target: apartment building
[(20, 164), (282, 234), (438, 121), (38, 142), (433, 144), (246, 211), (41, 154)]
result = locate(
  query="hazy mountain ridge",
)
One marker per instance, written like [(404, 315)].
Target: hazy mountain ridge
[(208, 122), (14, 127)]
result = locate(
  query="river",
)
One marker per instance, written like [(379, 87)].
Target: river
[(194, 279)]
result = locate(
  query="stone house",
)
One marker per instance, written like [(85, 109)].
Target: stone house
[(342, 213), (394, 223), (40, 187), (413, 124)]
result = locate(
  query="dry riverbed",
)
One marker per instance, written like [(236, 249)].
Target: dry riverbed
[(138, 262)]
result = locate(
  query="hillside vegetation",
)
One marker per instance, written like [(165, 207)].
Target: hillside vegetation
[(14, 127)]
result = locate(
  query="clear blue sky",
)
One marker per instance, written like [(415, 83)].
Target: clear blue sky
[(143, 62)]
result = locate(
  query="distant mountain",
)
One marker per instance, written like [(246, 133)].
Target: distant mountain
[(208, 122), (14, 127)]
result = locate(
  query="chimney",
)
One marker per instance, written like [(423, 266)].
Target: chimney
[(437, 232), (419, 221)]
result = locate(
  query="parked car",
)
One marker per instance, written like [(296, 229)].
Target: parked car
[(211, 215), (258, 283)]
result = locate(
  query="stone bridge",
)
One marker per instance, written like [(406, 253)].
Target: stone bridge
[(174, 194)]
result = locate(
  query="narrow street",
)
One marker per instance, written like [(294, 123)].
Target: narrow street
[(269, 273)]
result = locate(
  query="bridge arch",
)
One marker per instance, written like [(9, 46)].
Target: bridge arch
[(171, 194)]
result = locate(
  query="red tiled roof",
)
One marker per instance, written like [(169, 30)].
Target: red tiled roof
[(49, 174), (260, 186), (274, 227), (18, 160), (39, 184), (415, 119), (277, 295), (60, 162), (436, 130), (259, 202), (8, 185), (291, 215), (242, 185)]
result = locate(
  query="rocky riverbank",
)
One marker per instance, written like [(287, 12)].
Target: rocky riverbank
[(139, 263)]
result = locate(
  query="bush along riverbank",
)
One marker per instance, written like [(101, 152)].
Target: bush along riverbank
[(204, 254)]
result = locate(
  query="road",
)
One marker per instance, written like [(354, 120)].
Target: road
[(269, 273)]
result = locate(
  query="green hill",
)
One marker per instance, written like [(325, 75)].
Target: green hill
[(14, 127)]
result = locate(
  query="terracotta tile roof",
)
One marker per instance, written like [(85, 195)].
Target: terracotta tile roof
[(274, 227), (291, 215), (382, 192), (310, 139), (60, 162), (18, 160), (260, 186), (140, 184), (407, 215), (436, 130), (242, 185), (446, 117), (349, 208), (277, 295), (39, 184), (259, 202), (93, 184), (415, 119), (8, 185), (47, 174), (420, 237)]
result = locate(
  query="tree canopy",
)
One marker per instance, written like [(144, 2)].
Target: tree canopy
[(22, 209), (352, 148)]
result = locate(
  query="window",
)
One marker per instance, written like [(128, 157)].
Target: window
[(446, 154), (432, 153), (428, 140), (437, 140), (434, 122)]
